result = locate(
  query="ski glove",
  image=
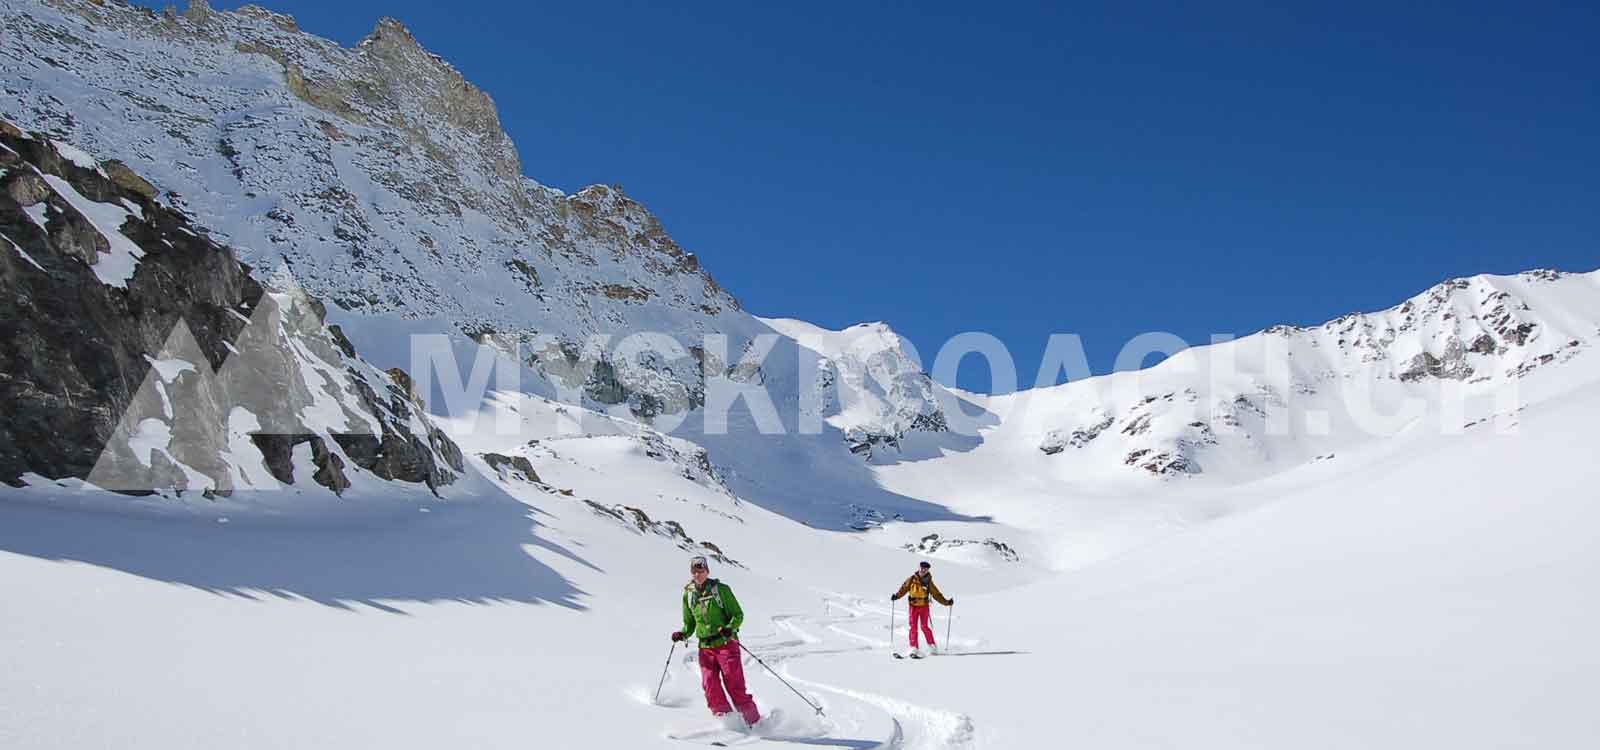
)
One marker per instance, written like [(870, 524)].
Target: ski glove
[(677, 635), (894, 597), (725, 632), (952, 602)]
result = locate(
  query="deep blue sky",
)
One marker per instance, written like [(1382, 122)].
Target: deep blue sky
[(1023, 170)]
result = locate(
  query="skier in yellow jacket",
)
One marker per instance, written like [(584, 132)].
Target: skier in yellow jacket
[(919, 587)]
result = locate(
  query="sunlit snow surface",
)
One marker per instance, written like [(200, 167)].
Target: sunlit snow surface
[(1431, 590)]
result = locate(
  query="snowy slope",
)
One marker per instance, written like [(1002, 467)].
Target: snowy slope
[(1097, 466), (1441, 595), (537, 614), (1437, 595)]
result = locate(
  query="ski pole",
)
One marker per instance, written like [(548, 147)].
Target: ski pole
[(891, 623), (949, 619), (664, 671), (780, 679)]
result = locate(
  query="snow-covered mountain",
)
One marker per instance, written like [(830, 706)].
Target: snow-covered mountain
[(379, 175), (383, 182), (1080, 472), (867, 384), (140, 356), (1290, 394)]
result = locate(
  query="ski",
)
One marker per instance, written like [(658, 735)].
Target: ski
[(726, 737)]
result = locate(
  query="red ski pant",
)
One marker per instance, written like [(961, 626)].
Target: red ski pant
[(721, 667), (920, 616)]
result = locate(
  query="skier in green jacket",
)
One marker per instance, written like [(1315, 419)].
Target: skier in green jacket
[(712, 616)]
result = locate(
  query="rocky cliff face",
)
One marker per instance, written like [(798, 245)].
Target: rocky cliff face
[(140, 355), (378, 172), (384, 181)]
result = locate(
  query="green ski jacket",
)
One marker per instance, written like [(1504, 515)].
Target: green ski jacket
[(706, 610)]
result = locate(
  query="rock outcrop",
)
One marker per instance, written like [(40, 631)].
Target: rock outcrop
[(1056, 441), (140, 355), (378, 171), (932, 543), (637, 520)]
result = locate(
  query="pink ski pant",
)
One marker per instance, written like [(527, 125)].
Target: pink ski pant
[(920, 616), (721, 667)]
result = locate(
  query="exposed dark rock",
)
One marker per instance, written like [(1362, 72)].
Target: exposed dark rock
[(932, 542), (603, 385), (1452, 365), (397, 453), (1055, 441), (1164, 463), (933, 422), (342, 342), (127, 180), (1520, 333), (694, 463), (520, 268), (639, 521), (77, 354), (277, 452), (1139, 426), (498, 461), (330, 468), (1531, 365)]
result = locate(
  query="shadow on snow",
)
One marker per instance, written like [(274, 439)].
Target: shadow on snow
[(477, 552)]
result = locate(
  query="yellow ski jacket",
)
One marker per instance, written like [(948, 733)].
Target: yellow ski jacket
[(919, 586)]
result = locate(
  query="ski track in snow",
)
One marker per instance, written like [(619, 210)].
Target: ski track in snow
[(797, 637)]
